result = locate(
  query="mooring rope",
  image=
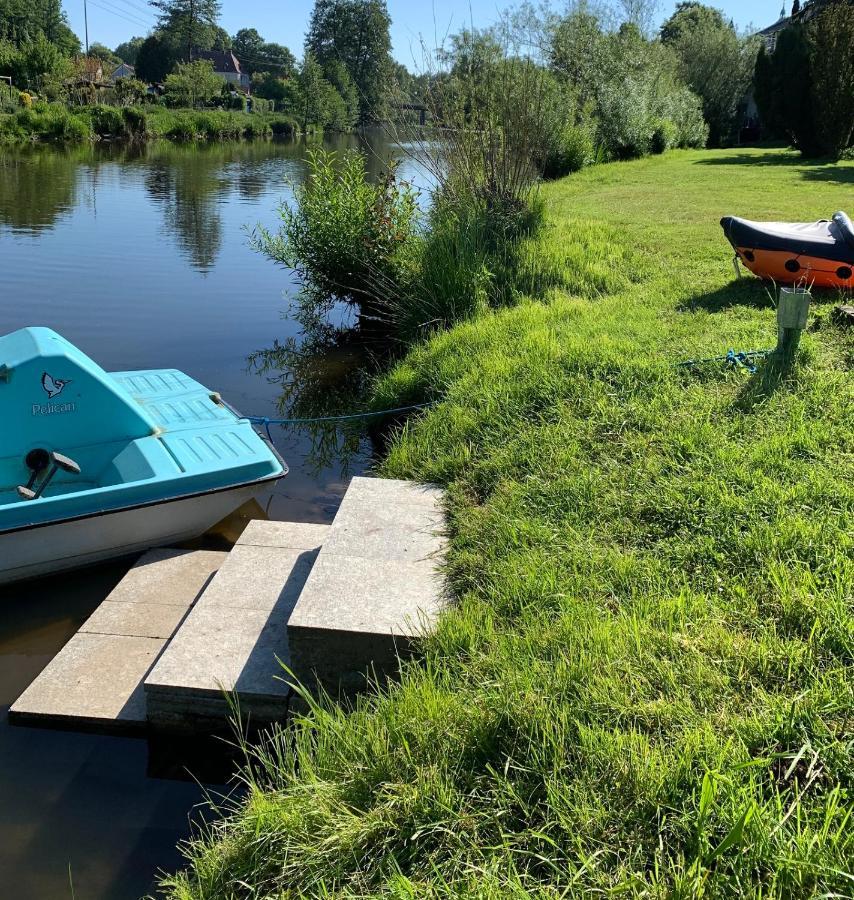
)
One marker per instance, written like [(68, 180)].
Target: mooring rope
[(266, 421), (734, 359)]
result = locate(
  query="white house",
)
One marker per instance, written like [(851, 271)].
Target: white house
[(125, 70), (227, 66)]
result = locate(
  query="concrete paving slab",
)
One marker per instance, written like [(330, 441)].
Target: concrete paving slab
[(362, 595), (232, 640), (289, 535), (260, 578), (387, 531), (392, 490), (94, 682), (376, 587), (154, 620), (168, 577), (216, 651)]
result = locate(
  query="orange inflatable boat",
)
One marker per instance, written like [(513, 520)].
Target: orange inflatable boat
[(816, 253)]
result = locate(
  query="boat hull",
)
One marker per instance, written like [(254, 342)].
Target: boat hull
[(35, 551)]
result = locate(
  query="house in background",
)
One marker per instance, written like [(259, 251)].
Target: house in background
[(227, 66), (769, 35), (125, 70)]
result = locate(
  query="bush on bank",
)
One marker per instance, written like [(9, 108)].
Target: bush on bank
[(57, 122)]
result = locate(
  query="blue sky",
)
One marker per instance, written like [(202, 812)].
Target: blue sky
[(284, 21)]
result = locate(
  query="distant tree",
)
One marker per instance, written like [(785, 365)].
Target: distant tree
[(192, 84), (285, 92), (103, 53), (715, 63), (783, 89), (155, 58), (338, 76), (641, 13), (689, 17), (22, 21), (277, 58), (796, 7), (257, 55), (247, 44), (191, 23), (831, 42), (39, 62), (355, 33), (128, 50)]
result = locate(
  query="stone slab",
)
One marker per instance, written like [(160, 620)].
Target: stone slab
[(168, 577), (94, 682), (154, 620), (392, 490), (260, 578), (367, 596), (387, 531), (215, 651), (288, 535), (376, 587), (235, 637)]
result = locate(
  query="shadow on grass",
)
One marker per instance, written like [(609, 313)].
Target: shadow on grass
[(825, 170), (758, 294), (743, 292), (773, 373)]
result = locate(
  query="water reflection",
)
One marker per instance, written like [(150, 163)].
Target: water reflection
[(37, 186)]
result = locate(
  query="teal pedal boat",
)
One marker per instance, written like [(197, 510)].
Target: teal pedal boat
[(97, 465)]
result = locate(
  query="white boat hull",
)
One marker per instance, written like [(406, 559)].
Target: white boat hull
[(47, 549)]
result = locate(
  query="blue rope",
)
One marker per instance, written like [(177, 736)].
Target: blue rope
[(740, 359), (266, 422)]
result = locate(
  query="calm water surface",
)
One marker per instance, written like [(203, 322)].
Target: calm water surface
[(141, 259)]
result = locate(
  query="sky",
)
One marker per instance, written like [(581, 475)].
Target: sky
[(285, 21)]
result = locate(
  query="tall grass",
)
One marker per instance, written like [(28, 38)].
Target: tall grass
[(645, 687)]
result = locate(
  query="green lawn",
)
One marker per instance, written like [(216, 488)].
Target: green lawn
[(647, 685)]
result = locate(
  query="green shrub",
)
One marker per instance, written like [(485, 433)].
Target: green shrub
[(283, 126), (107, 121), (571, 151), (135, 120), (664, 136), (345, 237)]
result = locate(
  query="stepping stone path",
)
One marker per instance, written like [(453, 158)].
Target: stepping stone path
[(332, 603)]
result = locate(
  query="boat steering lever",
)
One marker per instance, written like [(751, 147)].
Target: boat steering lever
[(38, 463)]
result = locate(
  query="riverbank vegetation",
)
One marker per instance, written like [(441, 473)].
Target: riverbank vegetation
[(643, 686), (56, 122), (645, 683)]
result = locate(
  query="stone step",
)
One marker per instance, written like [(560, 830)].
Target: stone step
[(235, 637), (376, 587), (95, 681)]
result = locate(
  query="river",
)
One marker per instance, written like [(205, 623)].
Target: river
[(141, 258)]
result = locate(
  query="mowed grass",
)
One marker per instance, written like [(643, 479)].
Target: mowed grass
[(645, 686)]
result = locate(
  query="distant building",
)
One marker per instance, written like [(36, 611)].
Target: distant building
[(125, 70), (227, 66), (770, 34)]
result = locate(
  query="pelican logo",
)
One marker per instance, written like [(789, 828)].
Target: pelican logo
[(53, 386)]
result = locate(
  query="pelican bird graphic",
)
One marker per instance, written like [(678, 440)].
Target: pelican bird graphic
[(53, 386)]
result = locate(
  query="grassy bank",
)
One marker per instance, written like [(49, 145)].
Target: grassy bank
[(59, 123), (646, 685)]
